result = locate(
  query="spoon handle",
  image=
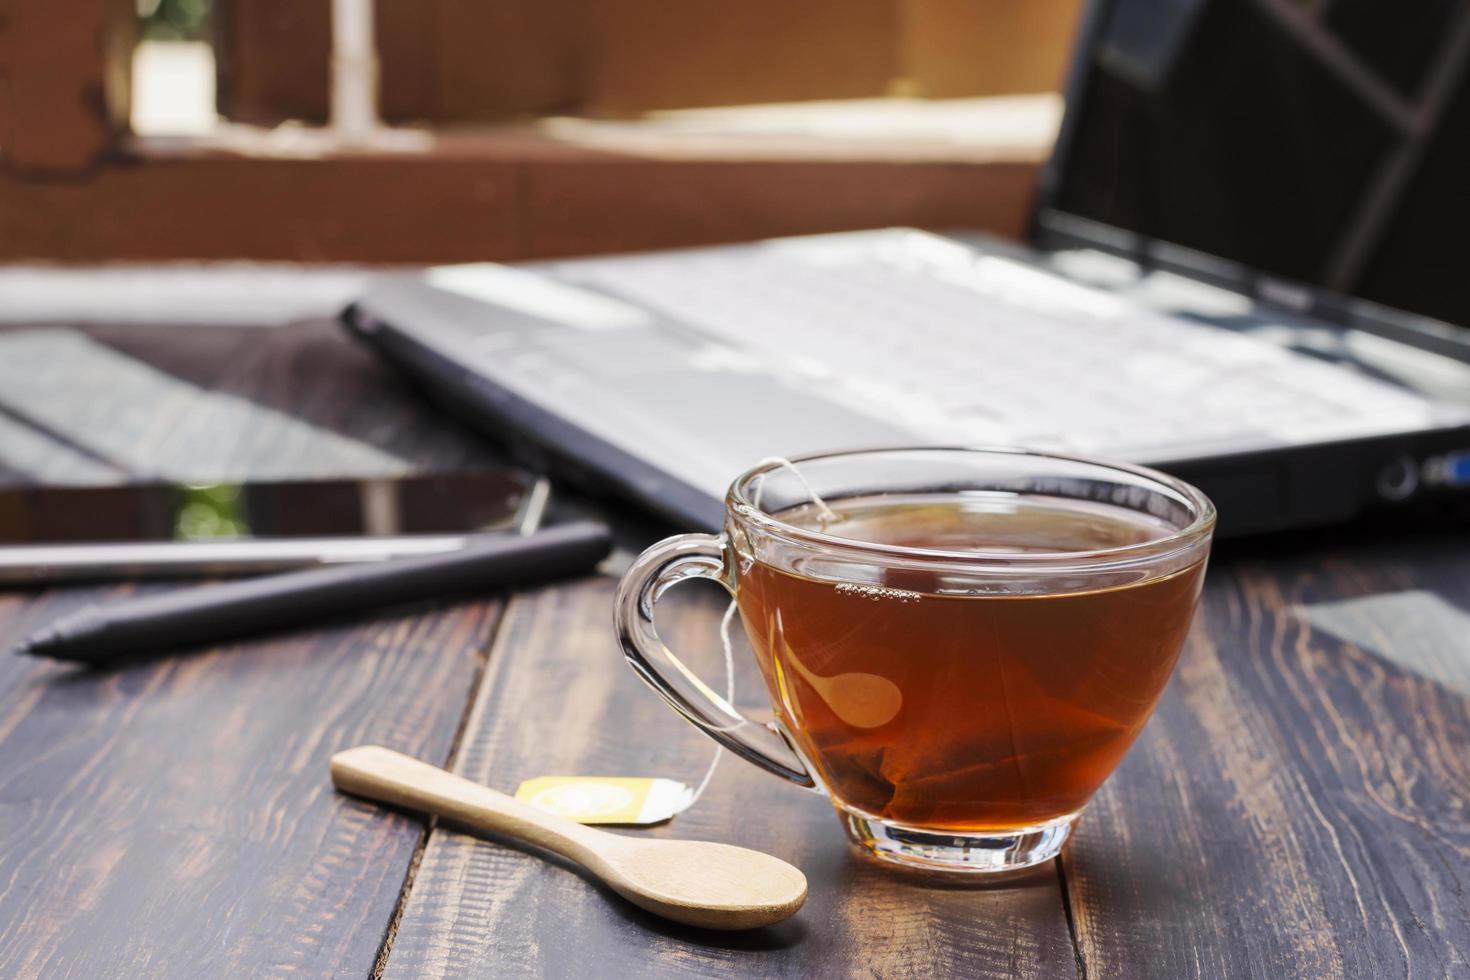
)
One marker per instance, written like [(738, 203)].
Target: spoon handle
[(381, 774)]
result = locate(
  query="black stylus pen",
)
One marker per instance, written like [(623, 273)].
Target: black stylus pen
[(207, 613)]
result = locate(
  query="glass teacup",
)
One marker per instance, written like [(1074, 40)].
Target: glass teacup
[(959, 644)]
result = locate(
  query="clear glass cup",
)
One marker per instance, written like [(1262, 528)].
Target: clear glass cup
[(958, 702)]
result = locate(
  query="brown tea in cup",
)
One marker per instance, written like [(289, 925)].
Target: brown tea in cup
[(962, 710)]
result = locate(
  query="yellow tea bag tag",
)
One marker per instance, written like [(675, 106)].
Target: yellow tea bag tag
[(635, 801)]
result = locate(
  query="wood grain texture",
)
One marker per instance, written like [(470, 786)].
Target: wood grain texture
[(373, 209), (274, 59), (65, 83), (558, 699), (580, 208), (174, 818), (1300, 805), (457, 61), (992, 47), (648, 55), (504, 198)]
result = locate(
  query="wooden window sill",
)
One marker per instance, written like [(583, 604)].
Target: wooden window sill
[(556, 187)]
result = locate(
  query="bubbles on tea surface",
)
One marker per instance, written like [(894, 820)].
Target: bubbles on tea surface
[(876, 593)]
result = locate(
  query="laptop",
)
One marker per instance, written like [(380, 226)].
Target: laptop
[(1197, 294)]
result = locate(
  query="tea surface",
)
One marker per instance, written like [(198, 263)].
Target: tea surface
[(940, 708)]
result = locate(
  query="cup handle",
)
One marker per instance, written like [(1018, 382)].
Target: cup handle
[(665, 564)]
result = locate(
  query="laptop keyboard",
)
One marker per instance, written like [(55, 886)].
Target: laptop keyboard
[(974, 348)]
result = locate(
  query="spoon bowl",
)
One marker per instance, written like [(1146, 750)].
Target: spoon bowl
[(701, 883)]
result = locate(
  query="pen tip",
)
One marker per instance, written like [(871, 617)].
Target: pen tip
[(36, 644)]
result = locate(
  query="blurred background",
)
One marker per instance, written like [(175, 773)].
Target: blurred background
[(1320, 140), (440, 130)]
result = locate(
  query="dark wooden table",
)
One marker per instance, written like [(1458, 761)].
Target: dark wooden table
[(1297, 807)]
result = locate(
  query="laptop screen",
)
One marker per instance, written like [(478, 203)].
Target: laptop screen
[(1326, 141)]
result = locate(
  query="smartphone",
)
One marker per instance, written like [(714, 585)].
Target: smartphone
[(62, 533)]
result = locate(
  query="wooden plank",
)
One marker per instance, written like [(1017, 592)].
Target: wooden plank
[(576, 208), (273, 59), (379, 209), (649, 55), (557, 698), (175, 818), (505, 199), (954, 48), (407, 35), (1297, 807), (440, 61), (457, 61), (65, 81)]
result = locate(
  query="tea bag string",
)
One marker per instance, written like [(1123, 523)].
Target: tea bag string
[(726, 645)]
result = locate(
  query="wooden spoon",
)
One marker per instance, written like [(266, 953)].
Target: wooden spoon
[(715, 886)]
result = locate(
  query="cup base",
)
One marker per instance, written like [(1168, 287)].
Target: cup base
[(947, 851)]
